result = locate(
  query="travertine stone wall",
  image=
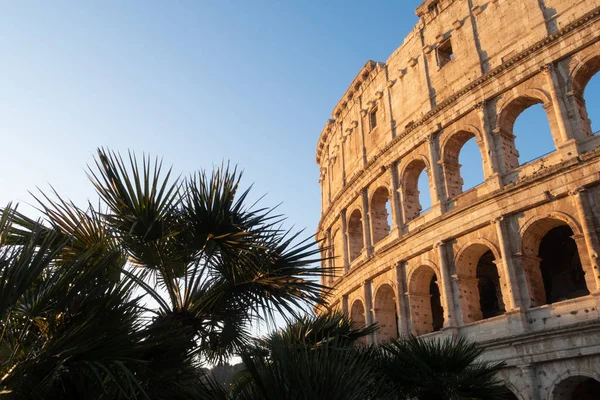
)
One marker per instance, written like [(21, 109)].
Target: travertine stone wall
[(477, 263)]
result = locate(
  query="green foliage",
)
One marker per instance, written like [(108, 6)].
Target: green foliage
[(132, 298), (322, 357), (444, 369)]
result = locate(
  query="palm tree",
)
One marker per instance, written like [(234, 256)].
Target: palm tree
[(313, 357), (440, 369), (321, 357), (131, 298)]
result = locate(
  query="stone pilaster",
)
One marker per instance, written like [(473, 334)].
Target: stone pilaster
[(346, 256), (584, 212), (439, 197), (450, 320), (507, 267), (402, 305), (368, 243), (368, 294)]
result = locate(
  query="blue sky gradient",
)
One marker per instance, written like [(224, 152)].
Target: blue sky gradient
[(195, 82)]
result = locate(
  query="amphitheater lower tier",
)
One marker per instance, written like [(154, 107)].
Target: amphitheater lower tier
[(515, 269)]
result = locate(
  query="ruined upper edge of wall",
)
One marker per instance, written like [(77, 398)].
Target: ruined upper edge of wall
[(484, 34), (422, 12)]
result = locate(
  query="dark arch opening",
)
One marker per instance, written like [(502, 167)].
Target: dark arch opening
[(358, 318), (437, 312), (355, 235), (560, 264), (577, 388), (490, 293), (587, 390)]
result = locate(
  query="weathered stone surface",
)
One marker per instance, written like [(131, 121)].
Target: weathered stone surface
[(481, 263)]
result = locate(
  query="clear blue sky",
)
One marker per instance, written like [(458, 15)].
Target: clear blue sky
[(196, 82)]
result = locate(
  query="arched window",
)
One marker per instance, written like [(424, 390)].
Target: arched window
[(479, 283), (357, 315), (525, 132), (592, 103), (338, 253), (551, 259), (576, 388), (560, 265), (380, 205), (385, 314), (463, 163), (533, 138), (416, 188), (426, 312), (355, 235), (586, 86)]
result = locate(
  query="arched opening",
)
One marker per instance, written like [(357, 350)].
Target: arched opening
[(417, 199), (338, 253), (525, 132), (577, 388), (385, 314), (426, 312), (586, 86), (435, 302), (355, 235), (560, 265), (552, 263), (479, 283), (463, 163), (592, 102), (357, 316), (380, 214), (488, 283), (533, 137)]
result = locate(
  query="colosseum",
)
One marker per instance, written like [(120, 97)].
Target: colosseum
[(511, 263)]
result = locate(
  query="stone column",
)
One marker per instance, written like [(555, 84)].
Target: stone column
[(436, 174), (447, 292), (395, 198), (345, 305), (389, 106), (346, 256), (530, 377), (362, 133), (402, 300), (343, 153), (367, 288), (584, 212), (402, 215), (558, 105), (367, 223), (331, 254), (492, 165), (507, 272)]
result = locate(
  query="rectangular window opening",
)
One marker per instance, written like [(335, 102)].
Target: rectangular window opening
[(445, 54), (373, 118)]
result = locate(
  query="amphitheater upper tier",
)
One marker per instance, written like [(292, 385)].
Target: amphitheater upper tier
[(513, 262)]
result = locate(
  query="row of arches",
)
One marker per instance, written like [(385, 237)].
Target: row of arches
[(526, 122), (551, 264)]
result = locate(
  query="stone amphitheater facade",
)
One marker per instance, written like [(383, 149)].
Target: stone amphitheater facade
[(511, 263)]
